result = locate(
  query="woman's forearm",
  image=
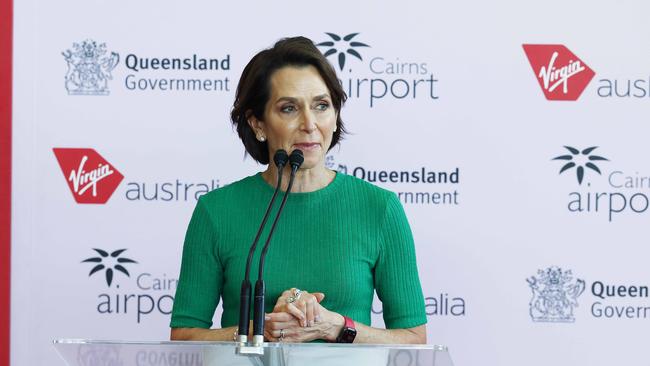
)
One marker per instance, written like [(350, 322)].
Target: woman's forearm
[(200, 334), (366, 334)]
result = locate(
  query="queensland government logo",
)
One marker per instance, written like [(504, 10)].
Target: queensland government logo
[(330, 163), (90, 177), (89, 68), (556, 292), (559, 72), (379, 74), (555, 295), (422, 177)]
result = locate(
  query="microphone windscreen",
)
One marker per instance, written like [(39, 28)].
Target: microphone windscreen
[(296, 158), (280, 158)]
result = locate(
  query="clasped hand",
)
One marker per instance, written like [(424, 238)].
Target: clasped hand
[(302, 320)]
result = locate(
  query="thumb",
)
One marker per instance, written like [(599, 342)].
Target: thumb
[(319, 296)]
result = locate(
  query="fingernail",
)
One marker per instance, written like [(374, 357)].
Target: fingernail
[(266, 317), (317, 318), (311, 323)]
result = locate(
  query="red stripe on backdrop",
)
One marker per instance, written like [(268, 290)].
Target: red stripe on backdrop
[(6, 28)]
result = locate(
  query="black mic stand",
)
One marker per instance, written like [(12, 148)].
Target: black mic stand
[(280, 159), (296, 158)]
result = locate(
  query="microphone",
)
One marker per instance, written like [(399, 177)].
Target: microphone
[(280, 159), (295, 159)]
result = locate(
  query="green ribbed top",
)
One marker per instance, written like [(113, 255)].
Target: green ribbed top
[(345, 240)]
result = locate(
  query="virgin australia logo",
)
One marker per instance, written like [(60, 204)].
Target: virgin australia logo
[(555, 295), (109, 263), (342, 46), (90, 177), (89, 68), (554, 66)]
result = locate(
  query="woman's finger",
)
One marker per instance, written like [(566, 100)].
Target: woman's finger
[(317, 311), (285, 332), (319, 296), (279, 317), (268, 335), (309, 313), (282, 325), (302, 306), (293, 310)]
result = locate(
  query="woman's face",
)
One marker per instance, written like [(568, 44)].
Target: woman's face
[(298, 115)]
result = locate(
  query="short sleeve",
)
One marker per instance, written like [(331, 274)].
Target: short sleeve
[(396, 274), (201, 278)]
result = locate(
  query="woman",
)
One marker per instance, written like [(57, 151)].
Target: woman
[(339, 238)]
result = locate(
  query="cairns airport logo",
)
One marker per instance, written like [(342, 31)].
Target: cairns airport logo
[(122, 294), (93, 180), (90, 69), (564, 76), (342, 46), (602, 189), (378, 74), (555, 293), (572, 161), (102, 265)]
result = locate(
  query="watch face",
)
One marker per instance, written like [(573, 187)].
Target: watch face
[(347, 335)]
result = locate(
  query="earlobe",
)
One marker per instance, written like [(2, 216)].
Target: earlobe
[(255, 125)]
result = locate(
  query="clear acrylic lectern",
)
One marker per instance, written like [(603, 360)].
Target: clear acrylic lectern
[(118, 353)]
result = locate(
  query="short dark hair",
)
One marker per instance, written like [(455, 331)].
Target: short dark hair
[(253, 91)]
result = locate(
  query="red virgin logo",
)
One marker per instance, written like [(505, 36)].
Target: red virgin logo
[(560, 73), (90, 177)]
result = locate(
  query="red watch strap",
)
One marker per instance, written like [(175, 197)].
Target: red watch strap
[(349, 323)]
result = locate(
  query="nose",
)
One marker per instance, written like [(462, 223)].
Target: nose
[(308, 121)]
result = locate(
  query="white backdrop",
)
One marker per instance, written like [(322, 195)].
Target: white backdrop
[(464, 100)]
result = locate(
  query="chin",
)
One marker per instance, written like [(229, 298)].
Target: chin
[(312, 161)]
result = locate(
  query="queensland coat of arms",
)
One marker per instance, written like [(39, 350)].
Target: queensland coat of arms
[(555, 295), (330, 163), (89, 68)]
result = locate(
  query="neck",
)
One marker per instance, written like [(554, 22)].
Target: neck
[(306, 180)]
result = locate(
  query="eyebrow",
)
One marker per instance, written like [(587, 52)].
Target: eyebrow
[(294, 100)]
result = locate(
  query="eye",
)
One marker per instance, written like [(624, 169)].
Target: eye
[(288, 108), (322, 106)]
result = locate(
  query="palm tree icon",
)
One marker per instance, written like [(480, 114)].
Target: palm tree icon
[(342, 46), (109, 270), (580, 170)]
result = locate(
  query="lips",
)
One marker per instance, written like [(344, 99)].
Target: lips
[(307, 145)]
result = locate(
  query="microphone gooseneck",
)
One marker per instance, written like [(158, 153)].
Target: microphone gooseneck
[(280, 159), (295, 160)]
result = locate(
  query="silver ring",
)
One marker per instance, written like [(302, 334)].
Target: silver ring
[(281, 334), (295, 296)]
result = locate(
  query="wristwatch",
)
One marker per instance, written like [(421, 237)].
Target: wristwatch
[(348, 333)]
